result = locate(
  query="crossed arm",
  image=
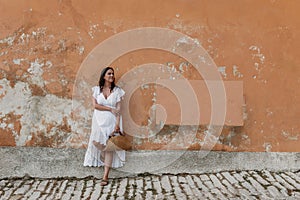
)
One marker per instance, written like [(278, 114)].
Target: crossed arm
[(115, 111)]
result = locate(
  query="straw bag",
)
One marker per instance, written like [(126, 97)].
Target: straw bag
[(118, 142)]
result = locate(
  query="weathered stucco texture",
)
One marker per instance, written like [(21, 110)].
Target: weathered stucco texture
[(43, 43)]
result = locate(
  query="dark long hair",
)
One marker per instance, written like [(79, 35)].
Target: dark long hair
[(102, 80)]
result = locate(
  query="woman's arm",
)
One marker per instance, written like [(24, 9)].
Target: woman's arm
[(104, 108), (118, 107), (100, 107)]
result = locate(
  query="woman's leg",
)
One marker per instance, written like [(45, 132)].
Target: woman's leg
[(98, 145), (107, 164)]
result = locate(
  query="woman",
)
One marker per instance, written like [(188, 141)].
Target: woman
[(105, 123)]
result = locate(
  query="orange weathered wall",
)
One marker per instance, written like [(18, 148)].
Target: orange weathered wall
[(43, 44)]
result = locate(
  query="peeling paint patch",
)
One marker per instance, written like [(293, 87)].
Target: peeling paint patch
[(289, 135), (15, 98), (267, 146), (258, 54), (24, 38), (36, 70), (93, 29), (186, 44), (236, 72), (185, 40), (171, 67), (36, 35), (114, 24), (222, 70), (41, 113), (269, 112), (202, 59), (3, 53), (62, 45), (182, 26), (144, 86), (41, 31), (9, 40), (81, 50), (181, 66), (210, 135), (40, 117), (49, 64), (18, 61), (246, 139), (258, 57)]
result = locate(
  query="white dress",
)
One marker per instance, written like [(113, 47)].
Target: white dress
[(103, 124)]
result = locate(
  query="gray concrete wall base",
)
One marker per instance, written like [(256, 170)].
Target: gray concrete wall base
[(53, 162)]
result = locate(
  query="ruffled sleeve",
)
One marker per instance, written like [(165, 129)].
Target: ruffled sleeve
[(96, 91), (120, 94)]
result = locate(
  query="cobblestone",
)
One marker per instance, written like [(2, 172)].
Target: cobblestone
[(223, 185)]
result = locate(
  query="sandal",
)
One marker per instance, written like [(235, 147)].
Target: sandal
[(104, 182)]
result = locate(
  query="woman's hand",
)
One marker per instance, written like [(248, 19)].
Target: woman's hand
[(117, 128), (116, 112)]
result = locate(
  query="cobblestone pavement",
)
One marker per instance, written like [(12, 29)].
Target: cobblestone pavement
[(223, 185)]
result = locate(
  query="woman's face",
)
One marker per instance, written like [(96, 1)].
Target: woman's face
[(109, 76)]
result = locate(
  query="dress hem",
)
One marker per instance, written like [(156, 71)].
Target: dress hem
[(102, 166)]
